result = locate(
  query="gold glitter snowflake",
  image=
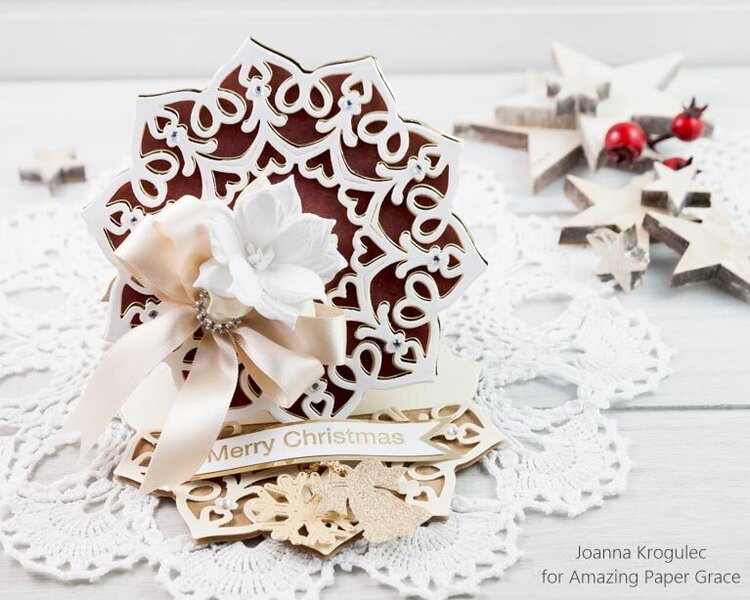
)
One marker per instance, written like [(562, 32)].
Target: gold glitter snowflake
[(288, 510)]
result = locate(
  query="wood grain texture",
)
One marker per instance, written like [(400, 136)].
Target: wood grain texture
[(690, 485), (691, 481), (435, 36)]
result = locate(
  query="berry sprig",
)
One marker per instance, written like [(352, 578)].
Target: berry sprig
[(625, 141), (688, 125)]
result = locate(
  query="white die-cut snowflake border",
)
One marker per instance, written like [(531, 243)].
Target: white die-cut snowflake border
[(388, 182)]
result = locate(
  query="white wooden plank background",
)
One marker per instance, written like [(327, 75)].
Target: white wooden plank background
[(95, 39), (691, 482)]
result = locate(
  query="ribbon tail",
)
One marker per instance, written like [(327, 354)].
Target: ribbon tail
[(123, 368), (194, 422), (281, 373)]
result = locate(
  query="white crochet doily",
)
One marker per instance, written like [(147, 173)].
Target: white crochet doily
[(725, 169), (562, 456)]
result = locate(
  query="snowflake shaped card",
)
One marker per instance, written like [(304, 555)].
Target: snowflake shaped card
[(284, 241), (335, 132)]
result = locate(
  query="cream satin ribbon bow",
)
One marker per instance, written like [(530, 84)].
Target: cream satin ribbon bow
[(164, 254)]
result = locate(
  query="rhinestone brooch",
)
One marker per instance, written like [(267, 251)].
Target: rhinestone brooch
[(209, 324)]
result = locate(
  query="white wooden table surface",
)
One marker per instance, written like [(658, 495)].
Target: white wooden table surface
[(689, 442)]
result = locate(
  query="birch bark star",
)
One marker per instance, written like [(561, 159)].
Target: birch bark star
[(268, 255)]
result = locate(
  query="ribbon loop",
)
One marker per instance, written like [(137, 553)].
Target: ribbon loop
[(281, 373), (165, 251), (164, 254), (324, 334)]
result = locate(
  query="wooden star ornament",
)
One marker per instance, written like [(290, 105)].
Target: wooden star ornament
[(586, 96), (53, 167), (623, 256), (635, 92), (535, 107), (551, 152), (530, 121), (616, 209), (581, 82), (676, 191), (630, 90), (712, 250)]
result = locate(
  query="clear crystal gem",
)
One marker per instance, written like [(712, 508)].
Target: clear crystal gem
[(452, 430), (201, 309)]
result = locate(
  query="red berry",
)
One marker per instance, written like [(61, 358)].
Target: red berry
[(686, 128), (677, 162), (688, 125), (624, 142)]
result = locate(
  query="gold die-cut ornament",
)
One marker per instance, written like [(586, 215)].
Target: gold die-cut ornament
[(366, 491), (290, 510), (616, 209), (676, 191), (712, 250), (53, 167), (623, 256), (215, 509), (470, 435), (274, 502), (215, 504)]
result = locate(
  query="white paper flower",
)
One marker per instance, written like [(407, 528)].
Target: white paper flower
[(268, 254)]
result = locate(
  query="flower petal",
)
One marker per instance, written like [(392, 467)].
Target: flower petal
[(330, 263), (225, 239), (245, 286), (308, 242), (276, 310), (260, 213), (327, 263), (291, 283), (214, 277)]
